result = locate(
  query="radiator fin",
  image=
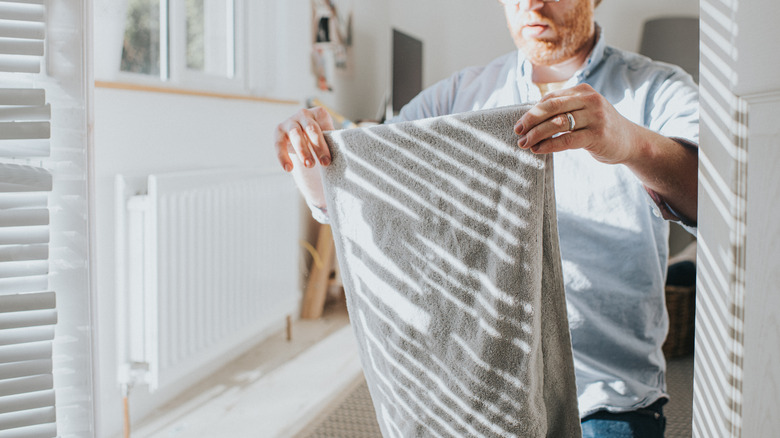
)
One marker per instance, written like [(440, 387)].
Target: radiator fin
[(219, 261)]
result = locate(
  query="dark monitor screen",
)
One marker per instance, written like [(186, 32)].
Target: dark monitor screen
[(407, 68)]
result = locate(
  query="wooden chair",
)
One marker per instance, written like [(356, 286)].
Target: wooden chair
[(324, 274)]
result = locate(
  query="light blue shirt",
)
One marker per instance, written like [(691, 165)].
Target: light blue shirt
[(614, 245)]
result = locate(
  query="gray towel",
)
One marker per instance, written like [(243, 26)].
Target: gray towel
[(447, 241)]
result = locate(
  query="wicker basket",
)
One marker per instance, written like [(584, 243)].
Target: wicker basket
[(681, 305)]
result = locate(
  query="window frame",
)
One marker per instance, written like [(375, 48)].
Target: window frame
[(173, 46)]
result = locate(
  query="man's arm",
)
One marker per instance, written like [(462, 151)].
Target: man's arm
[(664, 165), (670, 170)]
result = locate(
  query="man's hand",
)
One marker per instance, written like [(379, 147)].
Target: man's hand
[(662, 164), (301, 136), (299, 140), (598, 127)]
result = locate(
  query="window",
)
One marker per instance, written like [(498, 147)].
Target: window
[(141, 46), (210, 37), (194, 43)]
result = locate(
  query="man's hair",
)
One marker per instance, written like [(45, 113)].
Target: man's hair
[(597, 2)]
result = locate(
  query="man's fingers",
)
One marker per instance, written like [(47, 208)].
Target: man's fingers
[(553, 127), (282, 145), (322, 118), (305, 136), (322, 122), (302, 135), (547, 110), (554, 103), (299, 141), (308, 134), (569, 140)]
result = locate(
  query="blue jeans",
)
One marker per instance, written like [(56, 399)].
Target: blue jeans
[(648, 422)]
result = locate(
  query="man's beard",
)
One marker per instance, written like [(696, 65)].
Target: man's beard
[(573, 35)]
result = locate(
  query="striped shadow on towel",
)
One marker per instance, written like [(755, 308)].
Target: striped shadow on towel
[(447, 241)]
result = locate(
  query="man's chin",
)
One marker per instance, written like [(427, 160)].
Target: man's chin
[(542, 53)]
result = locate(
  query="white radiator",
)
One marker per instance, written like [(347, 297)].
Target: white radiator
[(207, 264)]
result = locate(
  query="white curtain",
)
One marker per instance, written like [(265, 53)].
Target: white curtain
[(30, 170)]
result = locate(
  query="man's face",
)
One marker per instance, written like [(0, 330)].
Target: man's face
[(550, 33)]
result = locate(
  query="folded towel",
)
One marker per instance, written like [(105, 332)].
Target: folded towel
[(447, 242)]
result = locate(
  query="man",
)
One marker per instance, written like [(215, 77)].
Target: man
[(624, 132)]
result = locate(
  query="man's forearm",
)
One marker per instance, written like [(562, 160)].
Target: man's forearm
[(670, 169)]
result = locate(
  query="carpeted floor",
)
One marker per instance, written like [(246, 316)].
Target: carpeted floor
[(354, 416), (679, 382)]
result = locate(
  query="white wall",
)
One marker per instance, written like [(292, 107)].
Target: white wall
[(621, 20), (471, 33), (755, 57), (137, 133), (756, 66), (140, 133)]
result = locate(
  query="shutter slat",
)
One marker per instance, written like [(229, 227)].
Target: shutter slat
[(31, 2), (23, 269), (17, 253), (24, 130), (23, 200), (22, 96), (25, 369), (18, 217), (11, 320), (26, 302), (32, 417), (25, 148), (48, 430), (24, 402), (32, 283), (41, 382), (25, 113), (19, 46), (24, 352), (22, 186), (20, 64), (26, 335), (23, 234), (18, 178), (21, 12), (22, 29)]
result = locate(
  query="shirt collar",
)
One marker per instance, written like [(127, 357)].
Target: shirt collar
[(595, 57)]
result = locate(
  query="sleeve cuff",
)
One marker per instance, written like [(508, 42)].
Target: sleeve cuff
[(667, 212), (685, 142), (320, 214)]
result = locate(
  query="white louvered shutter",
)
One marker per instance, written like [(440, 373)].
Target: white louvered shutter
[(27, 306)]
